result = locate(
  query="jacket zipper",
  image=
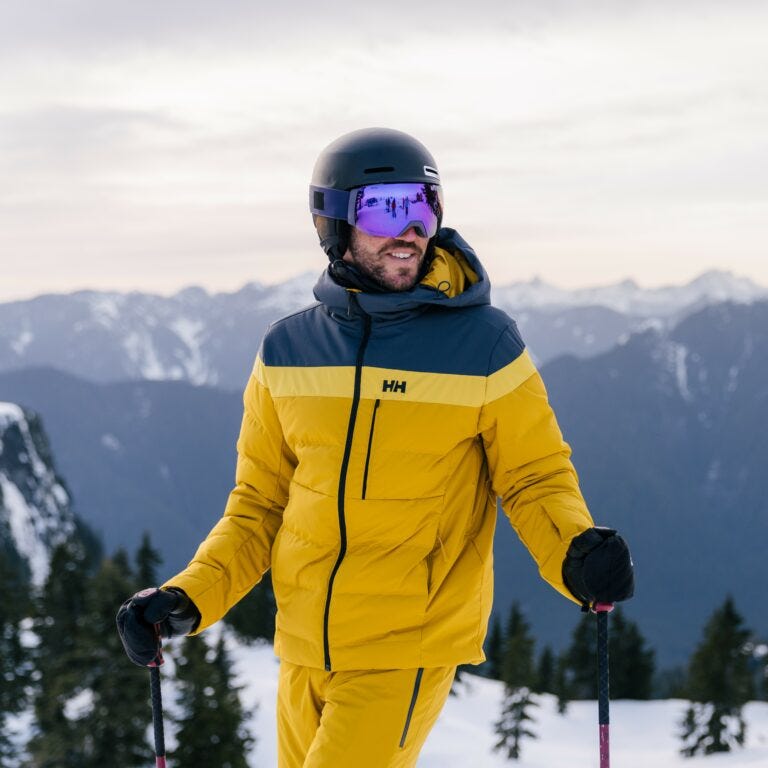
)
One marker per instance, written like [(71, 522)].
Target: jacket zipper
[(370, 443), (343, 476)]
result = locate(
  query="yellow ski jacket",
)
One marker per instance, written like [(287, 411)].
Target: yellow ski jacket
[(378, 432)]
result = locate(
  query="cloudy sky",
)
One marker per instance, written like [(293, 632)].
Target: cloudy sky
[(153, 145)]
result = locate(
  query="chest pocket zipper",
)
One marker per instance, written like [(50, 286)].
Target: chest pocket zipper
[(370, 443)]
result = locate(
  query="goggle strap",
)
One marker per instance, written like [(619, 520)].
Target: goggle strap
[(331, 203)]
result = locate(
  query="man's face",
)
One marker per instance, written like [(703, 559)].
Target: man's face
[(393, 262)]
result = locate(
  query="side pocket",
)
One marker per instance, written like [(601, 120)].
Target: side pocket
[(414, 696), (370, 443)]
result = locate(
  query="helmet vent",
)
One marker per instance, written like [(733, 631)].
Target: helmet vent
[(381, 169), (430, 171)]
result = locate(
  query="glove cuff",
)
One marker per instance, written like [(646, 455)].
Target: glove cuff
[(185, 617)]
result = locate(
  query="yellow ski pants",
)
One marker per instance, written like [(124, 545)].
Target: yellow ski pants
[(357, 719)]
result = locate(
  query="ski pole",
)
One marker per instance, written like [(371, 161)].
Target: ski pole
[(157, 705), (603, 687)]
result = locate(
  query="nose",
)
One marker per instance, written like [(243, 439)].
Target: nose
[(410, 235)]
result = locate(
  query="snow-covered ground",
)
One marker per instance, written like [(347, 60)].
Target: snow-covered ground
[(643, 734)]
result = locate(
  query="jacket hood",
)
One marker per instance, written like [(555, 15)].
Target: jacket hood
[(456, 278)]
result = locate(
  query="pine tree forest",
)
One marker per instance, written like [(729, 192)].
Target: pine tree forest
[(61, 661)]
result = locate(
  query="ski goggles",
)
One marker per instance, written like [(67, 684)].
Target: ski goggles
[(383, 210)]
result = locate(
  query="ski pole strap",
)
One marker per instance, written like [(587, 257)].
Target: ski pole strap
[(157, 716)]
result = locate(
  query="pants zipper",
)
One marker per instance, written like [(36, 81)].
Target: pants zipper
[(412, 706), (343, 479), (370, 443)]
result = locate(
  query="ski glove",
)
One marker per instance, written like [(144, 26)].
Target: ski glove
[(598, 567), (150, 615)]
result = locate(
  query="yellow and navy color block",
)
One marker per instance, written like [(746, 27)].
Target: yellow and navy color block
[(378, 432)]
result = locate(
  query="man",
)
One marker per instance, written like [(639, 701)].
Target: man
[(380, 426)]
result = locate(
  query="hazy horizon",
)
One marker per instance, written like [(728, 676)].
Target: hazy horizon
[(312, 274)]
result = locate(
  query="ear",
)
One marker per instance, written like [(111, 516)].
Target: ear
[(333, 235)]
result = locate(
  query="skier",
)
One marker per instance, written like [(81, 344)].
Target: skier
[(380, 425)]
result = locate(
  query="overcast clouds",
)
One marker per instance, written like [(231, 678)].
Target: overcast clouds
[(154, 145)]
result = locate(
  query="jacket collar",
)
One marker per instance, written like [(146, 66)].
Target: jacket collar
[(456, 278)]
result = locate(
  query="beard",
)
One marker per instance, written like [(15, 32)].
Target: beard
[(370, 257)]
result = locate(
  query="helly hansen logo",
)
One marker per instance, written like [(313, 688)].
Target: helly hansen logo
[(393, 385)]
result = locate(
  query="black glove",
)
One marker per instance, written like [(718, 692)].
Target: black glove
[(598, 567), (151, 614)]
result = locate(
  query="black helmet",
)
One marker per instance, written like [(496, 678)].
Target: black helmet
[(367, 156)]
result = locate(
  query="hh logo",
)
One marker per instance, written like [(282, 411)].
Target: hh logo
[(393, 385)]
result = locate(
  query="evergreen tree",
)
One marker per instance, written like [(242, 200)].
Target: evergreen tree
[(517, 670), (148, 560), (719, 684), (91, 703), (112, 729), (546, 672), (632, 664), (253, 618), (671, 683), (60, 666), (14, 659), (578, 662), (212, 728), (561, 685), (494, 652)]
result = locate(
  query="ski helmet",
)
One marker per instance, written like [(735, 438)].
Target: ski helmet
[(364, 157)]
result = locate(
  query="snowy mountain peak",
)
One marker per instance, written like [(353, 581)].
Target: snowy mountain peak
[(35, 512), (629, 298)]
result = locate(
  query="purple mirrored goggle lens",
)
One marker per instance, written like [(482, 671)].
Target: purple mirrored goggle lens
[(389, 210), (384, 210)]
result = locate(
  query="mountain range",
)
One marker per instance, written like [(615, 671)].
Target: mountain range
[(212, 339), (669, 438), (154, 456)]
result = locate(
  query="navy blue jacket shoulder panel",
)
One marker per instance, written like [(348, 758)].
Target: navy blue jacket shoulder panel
[(419, 330), (310, 338), (456, 341)]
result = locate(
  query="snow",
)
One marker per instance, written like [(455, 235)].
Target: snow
[(291, 295), (110, 442), (79, 706), (681, 371), (105, 307), (141, 351), (643, 734), (34, 527), (21, 521), (190, 332), (22, 341), (10, 413), (629, 298)]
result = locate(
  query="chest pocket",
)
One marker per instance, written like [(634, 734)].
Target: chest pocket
[(407, 450)]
